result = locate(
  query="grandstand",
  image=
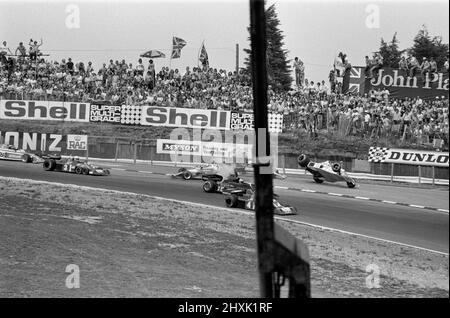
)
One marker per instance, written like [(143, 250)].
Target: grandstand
[(311, 108)]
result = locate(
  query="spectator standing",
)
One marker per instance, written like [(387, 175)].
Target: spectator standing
[(403, 64), (413, 66), (424, 67), (34, 49), (22, 51), (433, 65), (70, 66), (4, 50)]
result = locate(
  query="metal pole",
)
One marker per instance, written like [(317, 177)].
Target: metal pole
[(134, 152), (433, 174), (117, 150), (87, 150), (283, 160), (263, 182), (420, 174), (392, 172), (237, 59)]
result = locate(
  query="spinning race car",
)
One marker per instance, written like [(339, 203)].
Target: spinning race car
[(195, 172), (326, 171), (74, 165), (9, 152), (240, 194)]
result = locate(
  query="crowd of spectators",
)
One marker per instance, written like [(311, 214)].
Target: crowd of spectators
[(310, 106)]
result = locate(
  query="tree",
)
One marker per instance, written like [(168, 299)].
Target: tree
[(278, 66), (390, 52), (427, 46)]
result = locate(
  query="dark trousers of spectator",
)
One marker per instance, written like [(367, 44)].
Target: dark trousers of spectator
[(33, 56), (412, 71)]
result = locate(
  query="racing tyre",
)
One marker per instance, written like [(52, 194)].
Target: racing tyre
[(209, 186), (351, 184), (231, 201), (187, 175), (79, 170), (303, 161), (26, 158), (336, 167), (49, 165), (85, 171), (318, 180)]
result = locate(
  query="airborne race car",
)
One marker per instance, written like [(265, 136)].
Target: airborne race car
[(326, 171), (74, 166), (240, 194), (9, 152)]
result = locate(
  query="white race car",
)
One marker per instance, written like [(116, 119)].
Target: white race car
[(196, 172), (9, 152), (326, 171)]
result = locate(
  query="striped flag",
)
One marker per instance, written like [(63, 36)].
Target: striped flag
[(204, 56), (177, 45)]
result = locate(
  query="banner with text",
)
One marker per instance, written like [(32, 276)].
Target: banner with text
[(43, 142), (204, 149), (185, 117), (44, 110), (408, 156), (245, 121), (105, 114), (400, 85)]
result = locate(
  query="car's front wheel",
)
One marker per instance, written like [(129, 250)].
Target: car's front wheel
[(231, 201), (26, 158), (187, 175), (209, 186), (318, 180), (79, 170), (49, 165), (303, 161), (351, 184)]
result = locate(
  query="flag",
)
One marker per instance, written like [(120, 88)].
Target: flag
[(204, 55), (177, 45), (354, 81)]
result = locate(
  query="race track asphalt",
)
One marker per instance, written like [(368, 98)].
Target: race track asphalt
[(406, 225)]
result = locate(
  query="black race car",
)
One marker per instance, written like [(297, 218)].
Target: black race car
[(74, 165), (241, 194)]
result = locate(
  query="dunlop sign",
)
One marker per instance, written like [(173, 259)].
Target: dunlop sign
[(408, 156)]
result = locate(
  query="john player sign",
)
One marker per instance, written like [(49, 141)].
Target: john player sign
[(400, 85)]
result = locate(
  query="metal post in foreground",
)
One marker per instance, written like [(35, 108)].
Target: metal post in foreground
[(263, 182), (433, 174), (392, 172), (87, 149), (420, 174), (280, 255), (117, 150)]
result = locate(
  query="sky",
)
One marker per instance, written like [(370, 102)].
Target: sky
[(315, 31)]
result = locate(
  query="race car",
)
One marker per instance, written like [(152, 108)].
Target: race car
[(244, 197), (239, 193), (195, 172), (9, 152), (74, 165), (326, 171)]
